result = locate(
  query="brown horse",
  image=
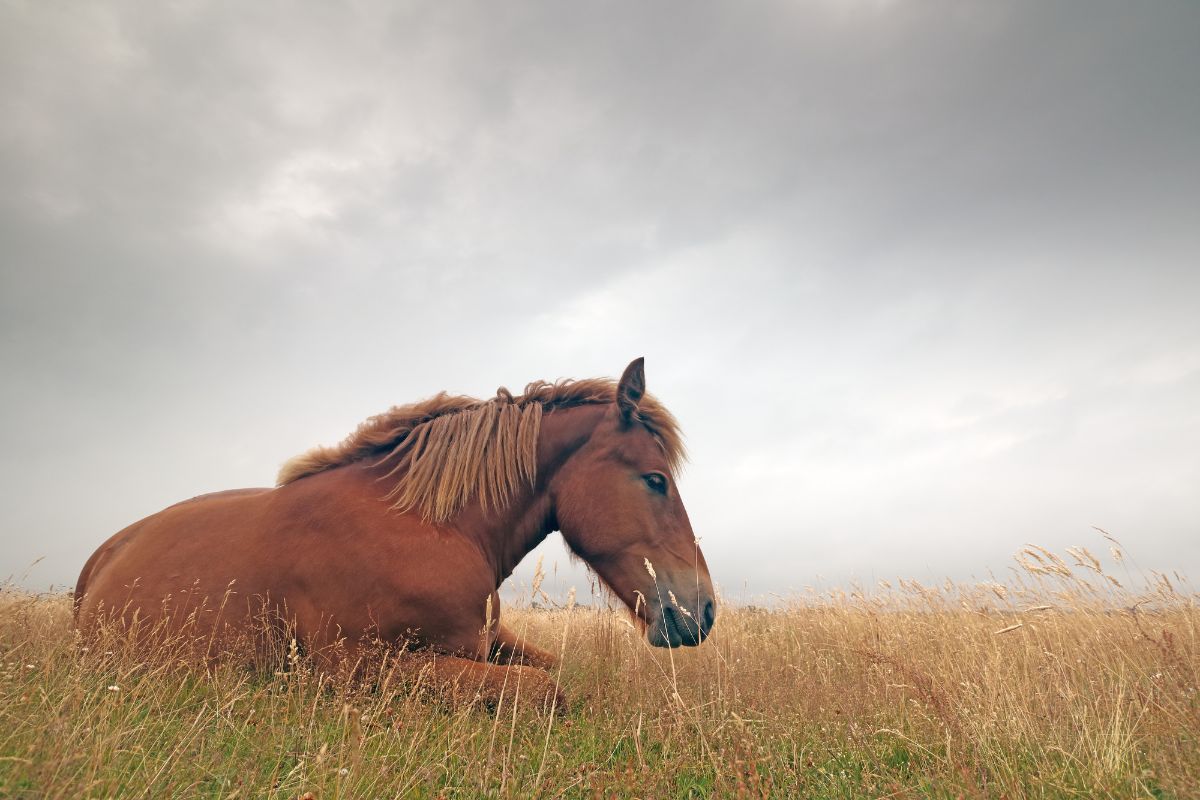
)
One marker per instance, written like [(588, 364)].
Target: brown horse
[(404, 532)]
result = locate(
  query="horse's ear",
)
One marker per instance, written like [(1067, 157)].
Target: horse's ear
[(631, 388)]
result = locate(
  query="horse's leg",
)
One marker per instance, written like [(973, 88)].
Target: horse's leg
[(327, 646), (514, 649), (460, 679), (463, 679)]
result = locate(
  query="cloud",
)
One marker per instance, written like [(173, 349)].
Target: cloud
[(917, 279)]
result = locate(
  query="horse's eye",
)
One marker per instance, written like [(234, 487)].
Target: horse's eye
[(656, 482)]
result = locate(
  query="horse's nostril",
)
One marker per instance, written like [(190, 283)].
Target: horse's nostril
[(710, 614)]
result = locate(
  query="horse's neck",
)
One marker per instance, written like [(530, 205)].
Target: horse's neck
[(507, 535)]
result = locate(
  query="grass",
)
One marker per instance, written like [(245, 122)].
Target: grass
[(1062, 682)]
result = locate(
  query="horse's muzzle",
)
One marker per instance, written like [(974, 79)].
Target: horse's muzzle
[(675, 627)]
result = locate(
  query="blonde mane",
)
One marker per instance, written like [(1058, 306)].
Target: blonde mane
[(449, 448)]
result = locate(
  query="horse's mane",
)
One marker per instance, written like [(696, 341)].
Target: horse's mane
[(450, 448)]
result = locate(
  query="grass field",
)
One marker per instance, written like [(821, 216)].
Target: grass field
[(1063, 682)]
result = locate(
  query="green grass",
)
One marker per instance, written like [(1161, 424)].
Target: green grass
[(911, 692)]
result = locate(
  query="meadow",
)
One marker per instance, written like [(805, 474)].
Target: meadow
[(1065, 679)]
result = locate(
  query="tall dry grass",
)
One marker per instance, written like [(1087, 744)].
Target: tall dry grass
[(1062, 681)]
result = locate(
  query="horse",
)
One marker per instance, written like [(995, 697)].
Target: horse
[(403, 533)]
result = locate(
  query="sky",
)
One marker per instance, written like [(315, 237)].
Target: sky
[(920, 280)]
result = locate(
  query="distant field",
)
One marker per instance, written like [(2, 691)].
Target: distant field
[(1063, 683)]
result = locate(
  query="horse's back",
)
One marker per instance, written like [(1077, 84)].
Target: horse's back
[(324, 554), (227, 494), (156, 540)]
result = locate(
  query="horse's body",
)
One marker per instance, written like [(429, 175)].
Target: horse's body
[(330, 556)]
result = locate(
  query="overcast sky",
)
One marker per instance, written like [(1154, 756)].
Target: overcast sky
[(921, 280)]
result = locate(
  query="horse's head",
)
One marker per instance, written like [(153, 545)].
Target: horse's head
[(619, 510)]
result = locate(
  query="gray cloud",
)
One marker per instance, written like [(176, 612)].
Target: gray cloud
[(919, 279)]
